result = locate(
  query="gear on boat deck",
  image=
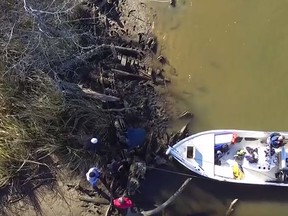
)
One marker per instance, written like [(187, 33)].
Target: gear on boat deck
[(255, 163), (240, 156)]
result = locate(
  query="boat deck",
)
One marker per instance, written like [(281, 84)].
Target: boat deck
[(197, 153), (263, 170), (203, 157)]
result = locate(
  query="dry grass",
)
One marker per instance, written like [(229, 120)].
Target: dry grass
[(36, 119)]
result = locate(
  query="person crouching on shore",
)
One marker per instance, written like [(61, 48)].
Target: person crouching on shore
[(93, 176)]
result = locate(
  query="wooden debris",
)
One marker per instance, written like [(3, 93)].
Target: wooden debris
[(130, 75), (97, 95), (113, 50), (149, 71), (151, 43), (173, 138), (186, 114), (124, 60), (180, 134), (96, 200), (162, 59), (145, 74), (231, 209), (128, 51), (183, 131), (173, 3), (86, 93)]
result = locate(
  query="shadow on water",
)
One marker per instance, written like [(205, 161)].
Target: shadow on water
[(203, 197)]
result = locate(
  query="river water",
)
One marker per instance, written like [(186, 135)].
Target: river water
[(228, 66)]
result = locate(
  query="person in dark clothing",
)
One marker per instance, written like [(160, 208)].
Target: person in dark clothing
[(276, 140)]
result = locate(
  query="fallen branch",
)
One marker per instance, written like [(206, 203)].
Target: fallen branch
[(97, 201), (163, 205), (120, 109), (183, 131), (128, 50), (108, 210), (126, 74), (186, 114), (231, 209), (99, 96)]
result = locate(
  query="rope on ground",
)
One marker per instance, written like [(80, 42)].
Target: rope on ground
[(177, 173)]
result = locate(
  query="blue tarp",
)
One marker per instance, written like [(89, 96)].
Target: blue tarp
[(136, 137)]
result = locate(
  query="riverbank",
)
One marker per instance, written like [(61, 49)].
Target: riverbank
[(71, 72)]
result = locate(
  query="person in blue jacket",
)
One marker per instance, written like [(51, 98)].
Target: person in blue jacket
[(93, 176), (276, 140)]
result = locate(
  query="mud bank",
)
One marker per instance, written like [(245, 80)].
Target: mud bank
[(101, 58)]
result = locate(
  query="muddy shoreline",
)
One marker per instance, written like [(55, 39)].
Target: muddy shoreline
[(116, 68)]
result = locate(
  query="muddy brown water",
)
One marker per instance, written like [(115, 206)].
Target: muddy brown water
[(231, 71)]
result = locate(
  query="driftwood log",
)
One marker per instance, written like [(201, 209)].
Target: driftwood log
[(122, 73), (97, 201), (74, 90), (99, 96), (186, 115), (231, 207), (163, 205)]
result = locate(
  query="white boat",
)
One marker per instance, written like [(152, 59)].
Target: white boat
[(198, 154)]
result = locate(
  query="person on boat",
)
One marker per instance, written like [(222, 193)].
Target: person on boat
[(219, 151), (221, 147), (218, 156), (276, 140)]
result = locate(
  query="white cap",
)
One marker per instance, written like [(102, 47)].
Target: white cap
[(94, 140)]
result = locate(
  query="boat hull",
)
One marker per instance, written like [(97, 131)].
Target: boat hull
[(255, 174)]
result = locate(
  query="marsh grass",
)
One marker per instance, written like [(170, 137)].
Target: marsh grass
[(37, 121)]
